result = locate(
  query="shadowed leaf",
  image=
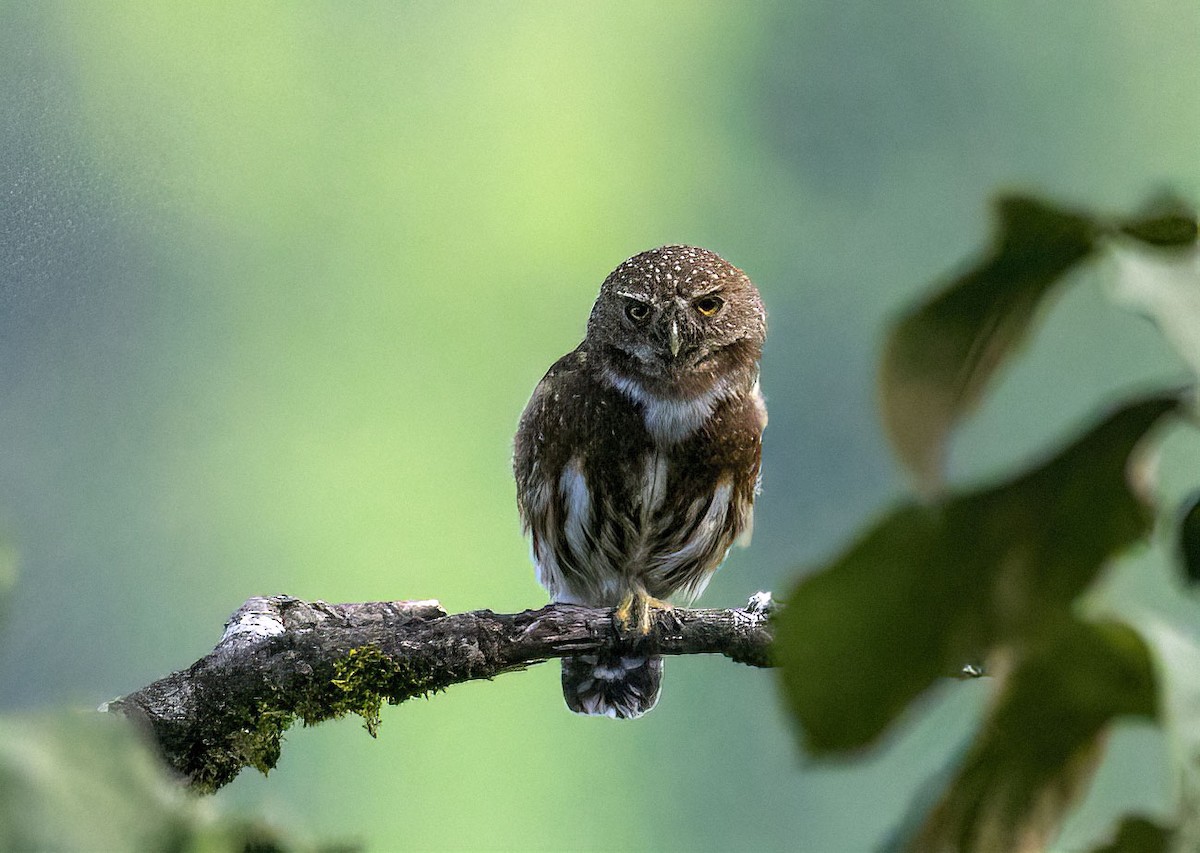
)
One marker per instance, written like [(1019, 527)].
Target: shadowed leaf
[(1167, 222), (1138, 834), (940, 357), (1042, 740), (1189, 539), (932, 586)]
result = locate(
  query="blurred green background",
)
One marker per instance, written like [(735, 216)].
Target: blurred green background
[(277, 279)]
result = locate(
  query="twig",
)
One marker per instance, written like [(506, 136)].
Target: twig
[(283, 659)]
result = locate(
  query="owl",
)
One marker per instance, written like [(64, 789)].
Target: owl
[(637, 457)]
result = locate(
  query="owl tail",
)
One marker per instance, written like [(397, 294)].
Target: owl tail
[(611, 685)]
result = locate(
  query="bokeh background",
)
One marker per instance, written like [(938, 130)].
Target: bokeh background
[(277, 279)]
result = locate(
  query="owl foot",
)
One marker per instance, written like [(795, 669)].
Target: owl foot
[(635, 612)]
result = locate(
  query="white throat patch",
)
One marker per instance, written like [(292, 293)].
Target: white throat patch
[(669, 421)]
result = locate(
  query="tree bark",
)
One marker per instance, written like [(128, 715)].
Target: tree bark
[(282, 659)]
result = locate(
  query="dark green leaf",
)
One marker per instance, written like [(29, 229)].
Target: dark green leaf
[(1166, 222), (1165, 231), (1189, 539), (1043, 739), (933, 586), (1138, 834), (940, 357)]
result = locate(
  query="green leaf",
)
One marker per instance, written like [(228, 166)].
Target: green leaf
[(1168, 221), (1189, 539), (1176, 655), (1043, 739), (933, 586), (1164, 285), (89, 782), (1138, 834), (940, 357), (1164, 231)]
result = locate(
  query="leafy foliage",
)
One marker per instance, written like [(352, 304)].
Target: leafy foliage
[(941, 356), (1176, 656), (1043, 738), (996, 573), (89, 782), (1138, 835), (934, 586), (1164, 285), (1169, 223)]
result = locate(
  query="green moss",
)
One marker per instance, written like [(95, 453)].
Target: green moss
[(359, 678), (364, 679), (259, 744)]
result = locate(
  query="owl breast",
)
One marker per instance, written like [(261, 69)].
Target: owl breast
[(649, 497), (608, 545)]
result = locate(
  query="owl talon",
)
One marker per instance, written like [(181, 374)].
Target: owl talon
[(647, 613), (635, 613), (624, 612)]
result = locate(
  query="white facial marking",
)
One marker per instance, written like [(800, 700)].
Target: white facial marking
[(669, 421)]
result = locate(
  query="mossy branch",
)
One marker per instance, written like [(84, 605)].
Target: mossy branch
[(282, 659)]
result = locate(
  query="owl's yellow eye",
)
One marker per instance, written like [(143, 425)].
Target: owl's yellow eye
[(709, 305), (636, 310)]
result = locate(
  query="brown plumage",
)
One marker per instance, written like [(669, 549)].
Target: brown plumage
[(637, 457)]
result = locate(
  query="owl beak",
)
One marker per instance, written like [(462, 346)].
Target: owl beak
[(673, 337)]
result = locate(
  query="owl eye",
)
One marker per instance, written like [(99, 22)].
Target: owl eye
[(636, 311), (709, 305)]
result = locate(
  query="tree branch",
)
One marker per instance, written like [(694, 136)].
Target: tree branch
[(283, 659)]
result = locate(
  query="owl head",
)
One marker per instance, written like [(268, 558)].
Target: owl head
[(678, 319)]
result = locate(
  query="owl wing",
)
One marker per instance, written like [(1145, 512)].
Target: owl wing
[(553, 494), (543, 434)]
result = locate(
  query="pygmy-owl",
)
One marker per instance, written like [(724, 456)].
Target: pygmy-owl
[(637, 457)]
